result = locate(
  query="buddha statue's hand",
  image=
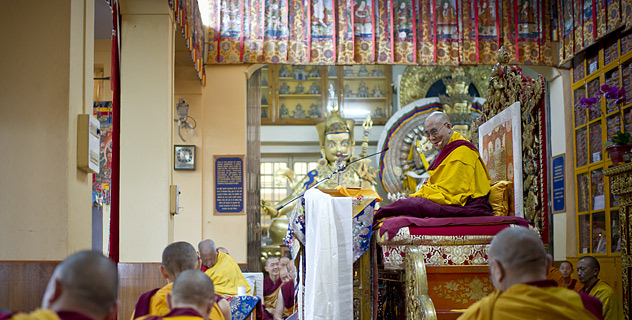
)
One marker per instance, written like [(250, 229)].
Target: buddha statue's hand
[(267, 207)]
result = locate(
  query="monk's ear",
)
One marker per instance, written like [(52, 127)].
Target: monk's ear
[(53, 292), (549, 262), (169, 301), (164, 272), (198, 266)]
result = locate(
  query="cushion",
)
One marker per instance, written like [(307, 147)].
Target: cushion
[(500, 197)]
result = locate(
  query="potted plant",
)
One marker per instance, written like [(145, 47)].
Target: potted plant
[(618, 146)]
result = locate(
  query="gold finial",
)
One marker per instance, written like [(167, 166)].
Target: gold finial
[(503, 56)]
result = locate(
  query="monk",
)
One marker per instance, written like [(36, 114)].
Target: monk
[(222, 269), (459, 182), (517, 269), (283, 262), (566, 268), (285, 302), (554, 274), (271, 286), (587, 271), (192, 297), (83, 287), (176, 258)]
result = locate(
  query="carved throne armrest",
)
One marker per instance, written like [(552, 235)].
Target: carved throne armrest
[(419, 306)]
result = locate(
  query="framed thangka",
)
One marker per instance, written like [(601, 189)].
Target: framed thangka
[(102, 181), (500, 146)]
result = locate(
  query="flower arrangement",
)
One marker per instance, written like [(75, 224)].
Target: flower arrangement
[(620, 143), (605, 91)]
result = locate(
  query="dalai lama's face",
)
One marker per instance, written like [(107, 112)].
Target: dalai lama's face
[(437, 131)]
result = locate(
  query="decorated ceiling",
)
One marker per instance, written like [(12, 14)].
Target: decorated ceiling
[(408, 32)]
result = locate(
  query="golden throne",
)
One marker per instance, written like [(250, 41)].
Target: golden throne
[(441, 270)]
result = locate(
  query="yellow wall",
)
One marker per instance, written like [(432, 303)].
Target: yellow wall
[(147, 51), (187, 226), (46, 81), (224, 133)]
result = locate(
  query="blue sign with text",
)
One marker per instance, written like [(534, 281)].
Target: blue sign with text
[(229, 185), (559, 194)]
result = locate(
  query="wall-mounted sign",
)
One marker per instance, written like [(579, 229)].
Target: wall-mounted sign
[(229, 184), (558, 190)]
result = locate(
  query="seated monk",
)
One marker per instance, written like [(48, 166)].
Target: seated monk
[(176, 258), (556, 275), (222, 269), (566, 268), (83, 287), (587, 271), (517, 266), (271, 286), (459, 182), (285, 302), (192, 297)]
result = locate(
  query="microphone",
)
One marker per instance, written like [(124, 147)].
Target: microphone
[(340, 169)]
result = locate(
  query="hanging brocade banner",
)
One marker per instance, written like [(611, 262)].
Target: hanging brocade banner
[(613, 12), (440, 20), (344, 32), (482, 39), (527, 28), (567, 30), (589, 17), (187, 14), (579, 25), (626, 13)]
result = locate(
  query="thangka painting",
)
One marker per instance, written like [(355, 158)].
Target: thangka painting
[(441, 30), (330, 32), (101, 181), (527, 30), (482, 25), (500, 146)]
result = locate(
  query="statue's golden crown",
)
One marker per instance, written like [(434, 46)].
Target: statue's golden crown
[(334, 124)]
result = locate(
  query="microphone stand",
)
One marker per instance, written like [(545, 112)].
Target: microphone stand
[(341, 168)]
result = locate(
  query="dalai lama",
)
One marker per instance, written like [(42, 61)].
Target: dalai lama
[(459, 182)]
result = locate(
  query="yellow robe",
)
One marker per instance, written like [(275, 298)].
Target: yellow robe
[(611, 306), (227, 276), (447, 184), (39, 314), (555, 275), (523, 301), (158, 304)]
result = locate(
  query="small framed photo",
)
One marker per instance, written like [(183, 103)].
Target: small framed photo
[(184, 157)]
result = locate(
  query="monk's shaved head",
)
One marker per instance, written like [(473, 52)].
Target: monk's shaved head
[(208, 252), (438, 116), (519, 249), (178, 257), (517, 255), (592, 262), (206, 245), (87, 280), (192, 287)]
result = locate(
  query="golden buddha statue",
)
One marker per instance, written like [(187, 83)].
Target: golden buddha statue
[(336, 146)]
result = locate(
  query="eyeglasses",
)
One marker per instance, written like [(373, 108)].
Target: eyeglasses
[(434, 131)]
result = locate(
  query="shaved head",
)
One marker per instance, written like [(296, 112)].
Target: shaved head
[(86, 281), (519, 248), (517, 255), (192, 287), (208, 252), (178, 257), (591, 261), (588, 270), (439, 116), (206, 245)]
